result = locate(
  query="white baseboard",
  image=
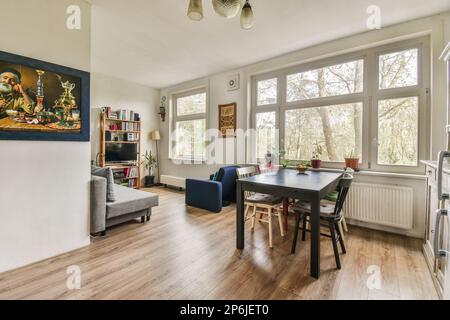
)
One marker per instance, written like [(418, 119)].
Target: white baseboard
[(173, 181)]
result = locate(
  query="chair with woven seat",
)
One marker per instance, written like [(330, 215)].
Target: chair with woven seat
[(330, 216), (266, 205)]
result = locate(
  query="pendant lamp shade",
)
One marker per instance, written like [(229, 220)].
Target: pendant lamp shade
[(195, 10), (247, 16), (227, 8)]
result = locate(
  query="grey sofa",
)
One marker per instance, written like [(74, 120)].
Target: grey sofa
[(129, 204)]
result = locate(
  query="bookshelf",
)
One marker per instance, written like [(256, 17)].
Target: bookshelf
[(121, 130)]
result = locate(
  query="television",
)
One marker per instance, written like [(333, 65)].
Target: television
[(121, 152)]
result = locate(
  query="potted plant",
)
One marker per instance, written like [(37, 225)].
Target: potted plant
[(352, 161), (316, 162), (150, 163), (282, 159), (303, 166)]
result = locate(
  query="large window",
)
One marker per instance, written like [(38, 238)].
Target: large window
[(266, 133), (189, 125), (267, 92), (398, 131), (371, 104), (332, 127), (194, 104), (336, 80), (398, 69)]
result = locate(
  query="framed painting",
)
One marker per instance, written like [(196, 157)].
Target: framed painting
[(227, 120), (42, 101)]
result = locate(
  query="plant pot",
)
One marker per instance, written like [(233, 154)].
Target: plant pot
[(316, 163), (302, 170), (352, 163), (149, 181)]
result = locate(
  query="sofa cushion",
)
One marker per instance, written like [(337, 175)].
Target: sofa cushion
[(305, 206), (263, 199), (332, 196), (214, 176), (130, 200), (109, 175)]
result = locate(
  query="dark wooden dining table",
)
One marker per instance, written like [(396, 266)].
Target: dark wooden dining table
[(288, 183)]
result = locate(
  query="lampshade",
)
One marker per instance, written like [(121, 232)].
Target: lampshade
[(247, 16), (195, 10), (227, 8), (155, 135)]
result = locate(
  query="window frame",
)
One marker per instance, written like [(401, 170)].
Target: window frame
[(255, 108), (421, 90), (277, 123), (369, 97), (323, 64), (267, 77), (198, 116)]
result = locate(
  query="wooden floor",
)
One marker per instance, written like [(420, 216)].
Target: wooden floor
[(185, 253)]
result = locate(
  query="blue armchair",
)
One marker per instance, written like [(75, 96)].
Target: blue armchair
[(212, 194)]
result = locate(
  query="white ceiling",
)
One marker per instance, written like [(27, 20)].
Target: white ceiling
[(152, 42)]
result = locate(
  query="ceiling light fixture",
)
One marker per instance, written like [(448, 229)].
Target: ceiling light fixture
[(224, 8), (247, 16), (195, 10)]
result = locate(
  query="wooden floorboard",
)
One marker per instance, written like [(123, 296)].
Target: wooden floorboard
[(187, 253)]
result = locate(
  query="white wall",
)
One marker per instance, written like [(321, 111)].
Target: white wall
[(44, 186), (218, 94), (436, 27), (120, 94)]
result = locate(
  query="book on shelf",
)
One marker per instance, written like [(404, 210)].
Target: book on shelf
[(128, 115), (121, 137), (119, 175), (123, 114), (109, 113), (126, 172), (131, 172), (132, 183), (125, 126), (131, 137)]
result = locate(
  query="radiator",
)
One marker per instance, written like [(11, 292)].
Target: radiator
[(385, 205), (173, 181)]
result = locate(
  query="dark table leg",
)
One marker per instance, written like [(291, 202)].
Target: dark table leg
[(315, 238), (240, 216), (286, 212)]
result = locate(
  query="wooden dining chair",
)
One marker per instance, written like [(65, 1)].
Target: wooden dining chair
[(332, 198), (267, 206), (330, 216)]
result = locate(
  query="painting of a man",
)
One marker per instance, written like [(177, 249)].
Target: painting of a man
[(12, 95), (42, 101)]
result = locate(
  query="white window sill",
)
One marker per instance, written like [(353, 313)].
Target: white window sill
[(188, 160), (378, 173)]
